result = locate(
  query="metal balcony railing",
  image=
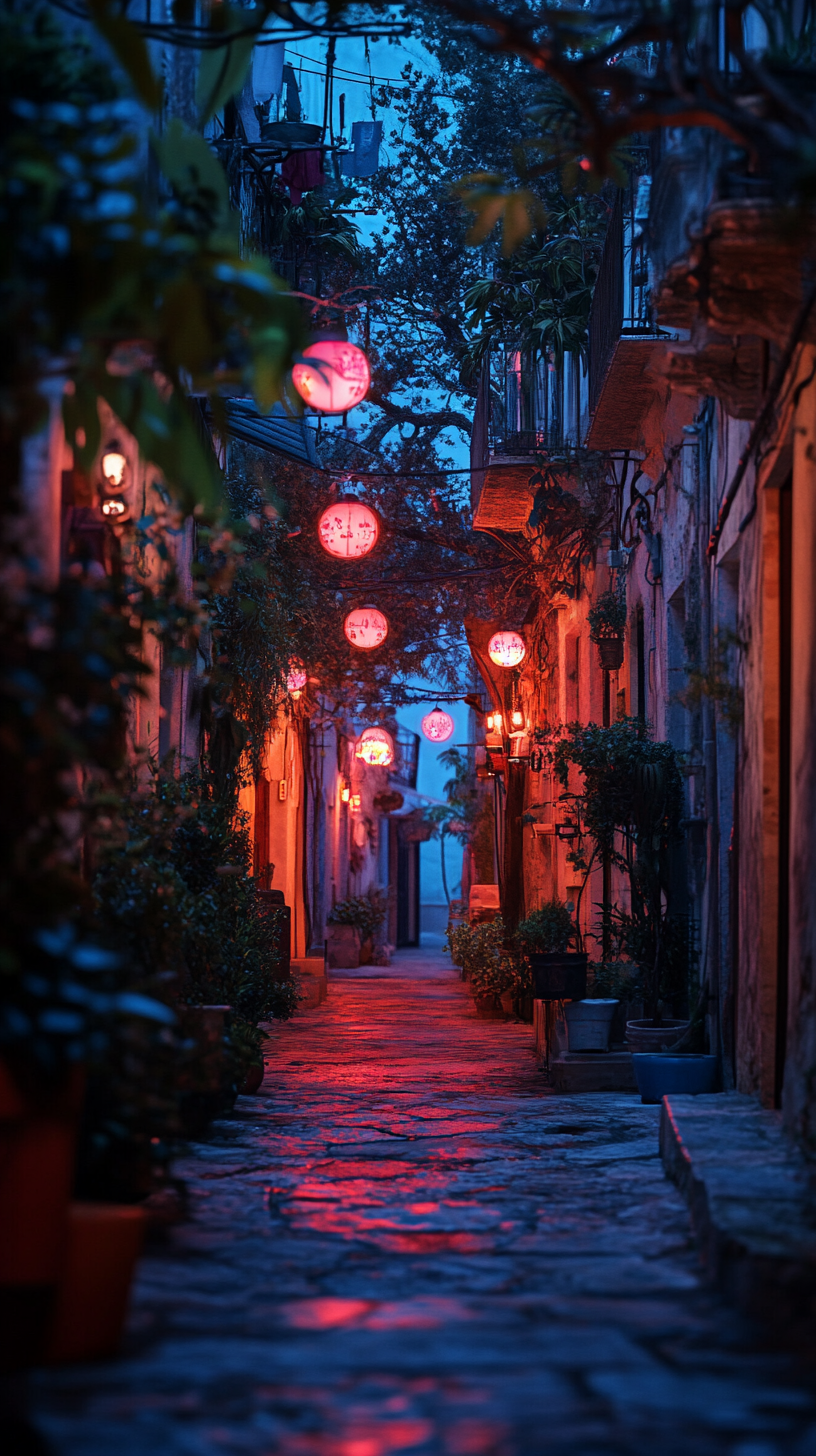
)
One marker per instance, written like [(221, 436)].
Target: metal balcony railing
[(406, 760)]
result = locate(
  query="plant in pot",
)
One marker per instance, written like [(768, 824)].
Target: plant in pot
[(487, 968), (545, 937), (607, 624), (631, 806), (367, 914)]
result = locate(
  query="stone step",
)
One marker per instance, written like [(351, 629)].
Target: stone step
[(751, 1196), (593, 1072)]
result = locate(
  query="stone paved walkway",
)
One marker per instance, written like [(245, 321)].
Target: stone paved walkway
[(406, 1244)]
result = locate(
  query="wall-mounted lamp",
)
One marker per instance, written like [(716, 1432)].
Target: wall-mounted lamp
[(114, 465), (114, 507)]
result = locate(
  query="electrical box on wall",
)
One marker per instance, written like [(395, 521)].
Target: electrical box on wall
[(282, 790)]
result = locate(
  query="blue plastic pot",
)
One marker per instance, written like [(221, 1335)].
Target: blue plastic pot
[(658, 1073)]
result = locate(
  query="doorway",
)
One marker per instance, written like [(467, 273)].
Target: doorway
[(407, 895)]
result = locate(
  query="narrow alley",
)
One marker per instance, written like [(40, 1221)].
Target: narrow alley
[(406, 1243)]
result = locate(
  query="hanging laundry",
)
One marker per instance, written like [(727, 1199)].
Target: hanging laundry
[(364, 158), (267, 70), (301, 171), (293, 111), (245, 106)]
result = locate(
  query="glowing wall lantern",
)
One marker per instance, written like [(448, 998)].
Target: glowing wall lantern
[(506, 649), (114, 472), (375, 747), (349, 528), (114, 507), (296, 677), (366, 627), (333, 376), (437, 725), (114, 465)]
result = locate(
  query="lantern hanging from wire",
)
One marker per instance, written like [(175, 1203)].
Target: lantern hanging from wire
[(366, 628), (114, 465), (296, 677), (349, 528), (506, 649), (437, 725), (375, 747), (332, 376)]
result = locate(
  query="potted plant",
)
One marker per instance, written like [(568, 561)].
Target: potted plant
[(607, 624), (558, 973), (631, 806), (486, 966), (356, 922)]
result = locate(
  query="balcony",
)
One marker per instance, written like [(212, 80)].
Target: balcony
[(403, 771), (626, 347)]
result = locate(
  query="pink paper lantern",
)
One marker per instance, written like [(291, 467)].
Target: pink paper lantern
[(349, 528), (366, 628), (296, 676), (335, 380), (437, 725), (376, 747), (506, 649)]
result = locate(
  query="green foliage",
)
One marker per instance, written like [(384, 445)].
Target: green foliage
[(632, 784), (547, 929), (540, 299), (633, 788), (174, 886), (607, 616), (174, 896), (367, 912), (718, 681), (615, 980), (89, 265)]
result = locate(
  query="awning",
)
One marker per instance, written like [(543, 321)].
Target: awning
[(278, 432)]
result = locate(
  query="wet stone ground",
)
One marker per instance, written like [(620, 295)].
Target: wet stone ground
[(406, 1243)]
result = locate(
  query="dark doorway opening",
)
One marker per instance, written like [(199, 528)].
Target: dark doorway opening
[(407, 895)]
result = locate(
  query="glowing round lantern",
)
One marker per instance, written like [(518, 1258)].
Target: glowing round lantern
[(366, 627), (296, 677), (375, 747), (437, 725), (335, 378), (506, 649), (348, 528)]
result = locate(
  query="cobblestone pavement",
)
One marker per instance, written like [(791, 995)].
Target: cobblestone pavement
[(406, 1244)]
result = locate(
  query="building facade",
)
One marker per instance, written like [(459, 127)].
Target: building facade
[(697, 410)]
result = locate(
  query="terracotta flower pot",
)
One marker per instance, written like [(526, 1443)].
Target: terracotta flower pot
[(488, 1008), (103, 1244), (611, 653), (642, 1036), (508, 1003), (37, 1143), (253, 1080)]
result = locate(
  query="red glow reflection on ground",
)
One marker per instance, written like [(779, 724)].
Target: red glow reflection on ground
[(426, 1312)]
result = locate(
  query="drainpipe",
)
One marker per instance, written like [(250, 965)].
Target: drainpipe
[(707, 567)]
